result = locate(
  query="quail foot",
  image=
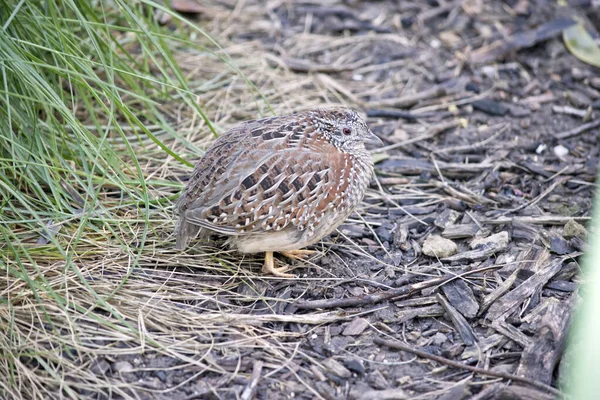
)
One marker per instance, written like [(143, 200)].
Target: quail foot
[(279, 184)]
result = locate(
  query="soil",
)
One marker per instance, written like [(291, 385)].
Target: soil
[(482, 148)]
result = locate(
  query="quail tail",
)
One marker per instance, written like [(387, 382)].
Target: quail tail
[(184, 232)]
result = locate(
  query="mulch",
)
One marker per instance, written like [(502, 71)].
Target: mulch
[(457, 277)]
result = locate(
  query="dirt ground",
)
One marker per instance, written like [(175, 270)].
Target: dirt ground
[(466, 246)]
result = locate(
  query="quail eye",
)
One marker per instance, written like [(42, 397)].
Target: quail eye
[(347, 131)]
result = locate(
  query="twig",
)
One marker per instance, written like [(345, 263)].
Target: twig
[(578, 130), (539, 99), (470, 147), (568, 110), (541, 220), (391, 201), (250, 390), (444, 105), (432, 131), (338, 87), (434, 12), (299, 65), (469, 197), (385, 113), (538, 198), (409, 100), (401, 346), (388, 295), (406, 101)]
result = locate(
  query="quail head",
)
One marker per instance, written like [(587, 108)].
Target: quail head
[(279, 184)]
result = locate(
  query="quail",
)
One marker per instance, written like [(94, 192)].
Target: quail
[(279, 184)]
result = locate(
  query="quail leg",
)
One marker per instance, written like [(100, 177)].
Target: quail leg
[(269, 267), (298, 254)]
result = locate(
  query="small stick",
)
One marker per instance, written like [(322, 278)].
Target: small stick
[(401, 346), (434, 12), (432, 131), (386, 113), (250, 390), (538, 198), (387, 295), (456, 149), (541, 220), (578, 130), (584, 114)]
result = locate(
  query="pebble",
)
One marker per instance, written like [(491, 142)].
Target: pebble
[(560, 151), (541, 148), (437, 246), (162, 375), (497, 240), (100, 366), (574, 229), (490, 107), (439, 339), (595, 82), (355, 365), (518, 111), (122, 366)]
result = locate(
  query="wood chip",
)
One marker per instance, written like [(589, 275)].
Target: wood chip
[(460, 323), (482, 346), (336, 368), (361, 392), (499, 291), (508, 303), (460, 295), (429, 311), (460, 231), (541, 356), (512, 333), (478, 254), (356, 327)]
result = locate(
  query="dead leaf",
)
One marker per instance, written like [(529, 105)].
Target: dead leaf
[(378, 157), (521, 40), (581, 44)]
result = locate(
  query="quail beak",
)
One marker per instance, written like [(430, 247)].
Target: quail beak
[(373, 139)]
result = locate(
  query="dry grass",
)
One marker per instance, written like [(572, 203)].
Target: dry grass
[(106, 308), (125, 296)]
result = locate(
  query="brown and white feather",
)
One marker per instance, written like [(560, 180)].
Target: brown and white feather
[(276, 184)]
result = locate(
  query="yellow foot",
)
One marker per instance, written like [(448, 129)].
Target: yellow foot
[(269, 267), (298, 254)]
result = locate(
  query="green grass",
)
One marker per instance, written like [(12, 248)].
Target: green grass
[(93, 104), (583, 348)]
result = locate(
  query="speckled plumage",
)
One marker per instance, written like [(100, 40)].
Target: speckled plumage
[(280, 183)]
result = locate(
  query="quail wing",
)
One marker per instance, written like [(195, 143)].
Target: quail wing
[(271, 174)]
